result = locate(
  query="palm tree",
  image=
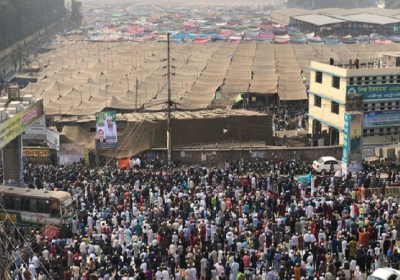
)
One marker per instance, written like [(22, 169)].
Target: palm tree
[(19, 57)]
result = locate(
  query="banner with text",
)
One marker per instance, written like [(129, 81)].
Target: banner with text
[(37, 130), (376, 91), (14, 126), (382, 118), (106, 127), (36, 152)]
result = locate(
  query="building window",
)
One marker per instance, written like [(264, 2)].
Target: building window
[(32, 205), (351, 81), (317, 101), (383, 80), (336, 82), (373, 107), (391, 79), (389, 105), (318, 77), (398, 79), (381, 131), (367, 80), (9, 202), (374, 80), (372, 131), (365, 107), (359, 81), (397, 104), (388, 129), (335, 107), (365, 131), (382, 107)]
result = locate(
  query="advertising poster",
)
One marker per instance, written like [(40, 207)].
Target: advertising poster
[(355, 133), (106, 130)]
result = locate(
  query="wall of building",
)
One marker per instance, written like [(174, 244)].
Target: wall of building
[(328, 95), (218, 157), (326, 89), (324, 113)]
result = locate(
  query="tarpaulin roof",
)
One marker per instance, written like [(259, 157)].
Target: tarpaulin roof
[(198, 71), (143, 131)]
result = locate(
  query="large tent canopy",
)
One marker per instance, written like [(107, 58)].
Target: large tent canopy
[(82, 78)]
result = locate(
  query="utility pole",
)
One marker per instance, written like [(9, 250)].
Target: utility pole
[(106, 95), (127, 79), (169, 146), (136, 90)]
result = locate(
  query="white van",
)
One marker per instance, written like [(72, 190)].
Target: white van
[(385, 274)]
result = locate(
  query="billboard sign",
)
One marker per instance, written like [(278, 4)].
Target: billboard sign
[(11, 128), (382, 118), (53, 139), (106, 130), (370, 92)]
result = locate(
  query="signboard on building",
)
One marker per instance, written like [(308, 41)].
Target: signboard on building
[(370, 92), (36, 152), (53, 139), (36, 155), (11, 128), (382, 118), (106, 127), (37, 130)]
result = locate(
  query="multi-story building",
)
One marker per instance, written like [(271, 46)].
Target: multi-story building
[(379, 85)]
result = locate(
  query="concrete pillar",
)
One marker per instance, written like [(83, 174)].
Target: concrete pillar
[(13, 172)]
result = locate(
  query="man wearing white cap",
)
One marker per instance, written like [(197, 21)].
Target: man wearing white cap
[(111, 129)]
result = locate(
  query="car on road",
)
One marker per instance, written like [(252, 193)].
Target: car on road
[(323, 165), (385, 274)]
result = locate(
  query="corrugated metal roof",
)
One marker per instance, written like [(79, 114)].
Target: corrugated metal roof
[(371, 19), (319, 19)]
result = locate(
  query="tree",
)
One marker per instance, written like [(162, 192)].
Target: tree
[(19, 56), (22, 18), (76, 13)]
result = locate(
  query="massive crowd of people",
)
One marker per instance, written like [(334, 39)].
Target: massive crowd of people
[(209, 224)]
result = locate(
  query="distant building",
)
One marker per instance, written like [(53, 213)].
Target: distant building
[(332, 87)]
